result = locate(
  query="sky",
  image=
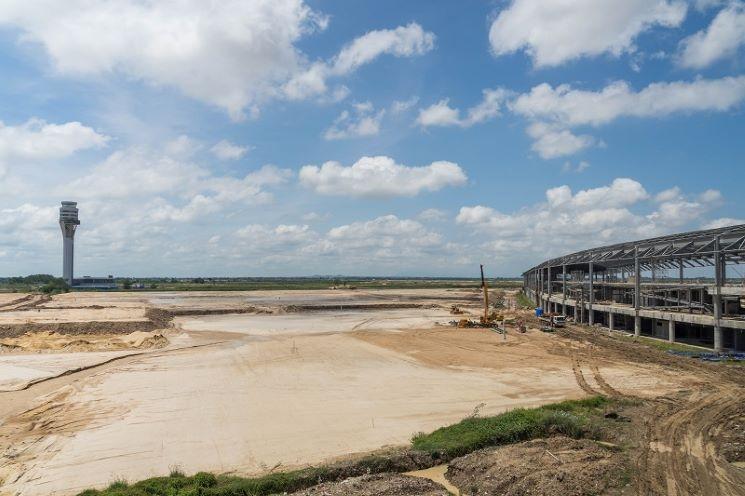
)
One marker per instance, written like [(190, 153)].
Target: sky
[(387, 138)]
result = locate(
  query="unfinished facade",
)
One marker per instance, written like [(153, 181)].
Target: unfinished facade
[(643, 286)]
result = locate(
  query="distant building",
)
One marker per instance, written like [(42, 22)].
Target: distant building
[(88, 282)]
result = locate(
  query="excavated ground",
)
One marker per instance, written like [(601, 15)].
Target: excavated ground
[(352, 371)]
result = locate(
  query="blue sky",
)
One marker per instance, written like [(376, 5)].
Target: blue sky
[(363, 138)]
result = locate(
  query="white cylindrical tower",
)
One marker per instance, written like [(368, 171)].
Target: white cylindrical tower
[(68, 222)]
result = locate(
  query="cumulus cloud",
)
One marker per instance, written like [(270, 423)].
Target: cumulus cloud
[(37, 139), (401, 106), (167, 188), (432, 215), (555, 111), (383, 242), (567, 221), (230, 54), (573, 107), (233, 54), (723, 222), (225, 150), (380, 176), (555, 32), (724, 36), (551, 141), (363, 121), (441, 114), (403, 41)]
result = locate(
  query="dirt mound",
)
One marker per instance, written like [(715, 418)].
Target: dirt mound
[(557, 466), (53, 341), (109, 327), (354, 306), (377, 485)]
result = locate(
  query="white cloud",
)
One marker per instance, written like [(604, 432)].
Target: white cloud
[(232, 54), (723, 222), (163, 188), (551, 141), (441, 114), (724, 36), (669, 194), (432, 215), (553, 112), (401, 106), (183, 146), (403, 41), (380, 176), (579, 107), (37, 139), (383, 243), (363, 122), (569, 221), (553, 32), (225, 150), (229, 54), (579, 168), (710, 196), (383, 238)]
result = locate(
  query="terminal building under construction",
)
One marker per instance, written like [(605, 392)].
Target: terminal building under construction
[(643, 287)]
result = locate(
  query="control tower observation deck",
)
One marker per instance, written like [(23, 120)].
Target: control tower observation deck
[(68, 222)]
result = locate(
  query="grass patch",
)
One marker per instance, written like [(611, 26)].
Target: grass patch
[(569, 418), (666, 346), (524, 301)]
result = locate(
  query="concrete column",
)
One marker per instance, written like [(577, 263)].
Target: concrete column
[(548, 280), (590, 314), (564, 290), (717, 299), (637, 293), (610, 323), (671, 330)]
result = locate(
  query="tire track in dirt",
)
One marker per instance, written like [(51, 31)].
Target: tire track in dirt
[(607, 388), (678, 454), (580, 377)]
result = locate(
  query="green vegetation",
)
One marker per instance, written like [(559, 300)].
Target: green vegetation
[(570, 418), (36, 282), (667, 346), (573, 418), (57, 285), (306, 283), (524, 301)]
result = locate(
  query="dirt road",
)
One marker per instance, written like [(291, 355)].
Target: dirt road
[(679, 450)]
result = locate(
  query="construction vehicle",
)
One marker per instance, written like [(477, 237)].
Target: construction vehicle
[(553, 320), (485, 318)]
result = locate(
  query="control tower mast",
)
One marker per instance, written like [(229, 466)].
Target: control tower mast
[(68, 222)]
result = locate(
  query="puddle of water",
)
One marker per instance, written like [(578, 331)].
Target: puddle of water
[(436, 474)]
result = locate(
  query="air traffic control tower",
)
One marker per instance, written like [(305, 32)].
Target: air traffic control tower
[(68, 222)]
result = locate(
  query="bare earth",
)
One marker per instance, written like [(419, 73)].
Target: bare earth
[(280, 385)]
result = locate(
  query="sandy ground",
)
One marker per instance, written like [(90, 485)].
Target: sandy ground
[(245, 393)]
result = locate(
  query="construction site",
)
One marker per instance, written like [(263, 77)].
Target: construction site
[(599, 376), (644, 287), (103, 389)]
